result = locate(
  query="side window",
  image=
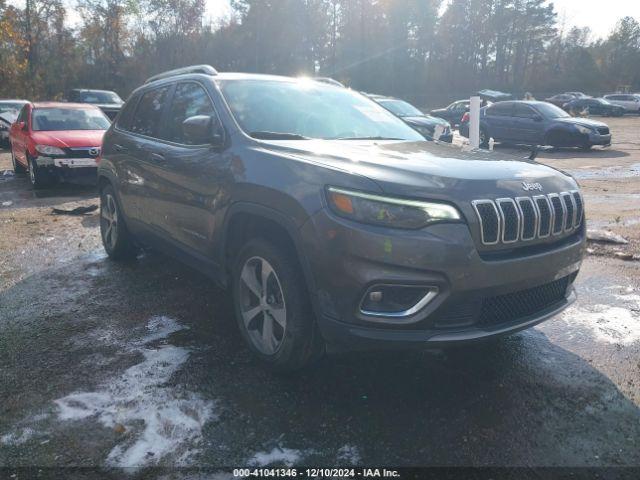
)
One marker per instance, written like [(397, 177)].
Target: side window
[(148, 116), (500, 109), (126, 115), (523, 111), (190, 99), (461, 107)]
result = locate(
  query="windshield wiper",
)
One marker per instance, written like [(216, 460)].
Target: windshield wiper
[(265, 135), (369, 138)]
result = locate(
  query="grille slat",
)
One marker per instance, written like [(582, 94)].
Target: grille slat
[(490, 221), (545, 216), (567, 199), (579, 208), (508, 220), (529, 218), (558, 214)]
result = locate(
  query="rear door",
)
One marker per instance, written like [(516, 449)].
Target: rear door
[(189, 175), (498, 118)]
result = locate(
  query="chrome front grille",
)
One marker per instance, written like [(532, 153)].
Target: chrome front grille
[(508, 220)]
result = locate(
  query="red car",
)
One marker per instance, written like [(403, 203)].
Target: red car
[(51, 140)]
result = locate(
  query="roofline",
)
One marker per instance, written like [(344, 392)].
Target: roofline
[(204, 69)]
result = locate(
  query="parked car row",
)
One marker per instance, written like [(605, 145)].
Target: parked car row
[(53, 140), (615, 104)]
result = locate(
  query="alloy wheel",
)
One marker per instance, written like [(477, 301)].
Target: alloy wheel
[(109, 219), (262, 305)]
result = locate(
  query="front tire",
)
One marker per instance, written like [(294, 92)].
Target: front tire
[(273, 309), (38, 177), (484, 138), (116, 239)]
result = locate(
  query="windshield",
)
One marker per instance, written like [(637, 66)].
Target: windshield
[(307, 109), (551, 111), (99, 97), (56, 119), (6, 106), (9, 116), (401, 108)]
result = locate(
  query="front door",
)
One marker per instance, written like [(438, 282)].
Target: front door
[(527, 125), (189, 173)]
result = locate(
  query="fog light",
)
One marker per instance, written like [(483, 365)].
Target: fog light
[(375, 296), (396, 300)]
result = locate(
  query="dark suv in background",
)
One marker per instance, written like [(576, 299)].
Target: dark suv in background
[(332, 222), (109, 102)]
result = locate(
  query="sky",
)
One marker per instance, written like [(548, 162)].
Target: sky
[(599, 15)]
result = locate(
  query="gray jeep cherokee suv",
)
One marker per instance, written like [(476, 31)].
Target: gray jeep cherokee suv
[(333, 223)]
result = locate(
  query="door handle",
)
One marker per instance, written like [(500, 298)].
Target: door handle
[(156, 157), (119, 148)]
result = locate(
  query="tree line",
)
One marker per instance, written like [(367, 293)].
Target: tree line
[(428, 51)]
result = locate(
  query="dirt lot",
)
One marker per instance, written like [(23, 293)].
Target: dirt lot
[(140, 364)]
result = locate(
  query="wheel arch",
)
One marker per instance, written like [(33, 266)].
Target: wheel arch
[(245, 220)]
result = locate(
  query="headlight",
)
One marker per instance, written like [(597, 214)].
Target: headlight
[(583, 130), (49, 150), (389, 211)]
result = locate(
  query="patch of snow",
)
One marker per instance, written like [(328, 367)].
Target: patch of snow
[(619, 324), (13, 439), (158, 420), (278, 455), (160, 327), (350, 454)]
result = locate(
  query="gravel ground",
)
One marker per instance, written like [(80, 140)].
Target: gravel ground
[(140, 364)]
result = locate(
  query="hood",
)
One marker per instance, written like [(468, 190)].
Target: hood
[(69, 138), (585, 122), (426, 121), (427, 169)]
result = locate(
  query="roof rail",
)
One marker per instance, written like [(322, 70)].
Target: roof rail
[(206, 69)]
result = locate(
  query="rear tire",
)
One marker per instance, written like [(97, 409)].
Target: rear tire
[(116, 239), (39, 177), (484, 138), (273, 308)]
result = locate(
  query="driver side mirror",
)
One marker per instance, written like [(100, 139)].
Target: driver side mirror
[(203, 129), (23, 126)]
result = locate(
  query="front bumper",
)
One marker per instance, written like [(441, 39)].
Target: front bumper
[(598, 139), (347, 259)]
